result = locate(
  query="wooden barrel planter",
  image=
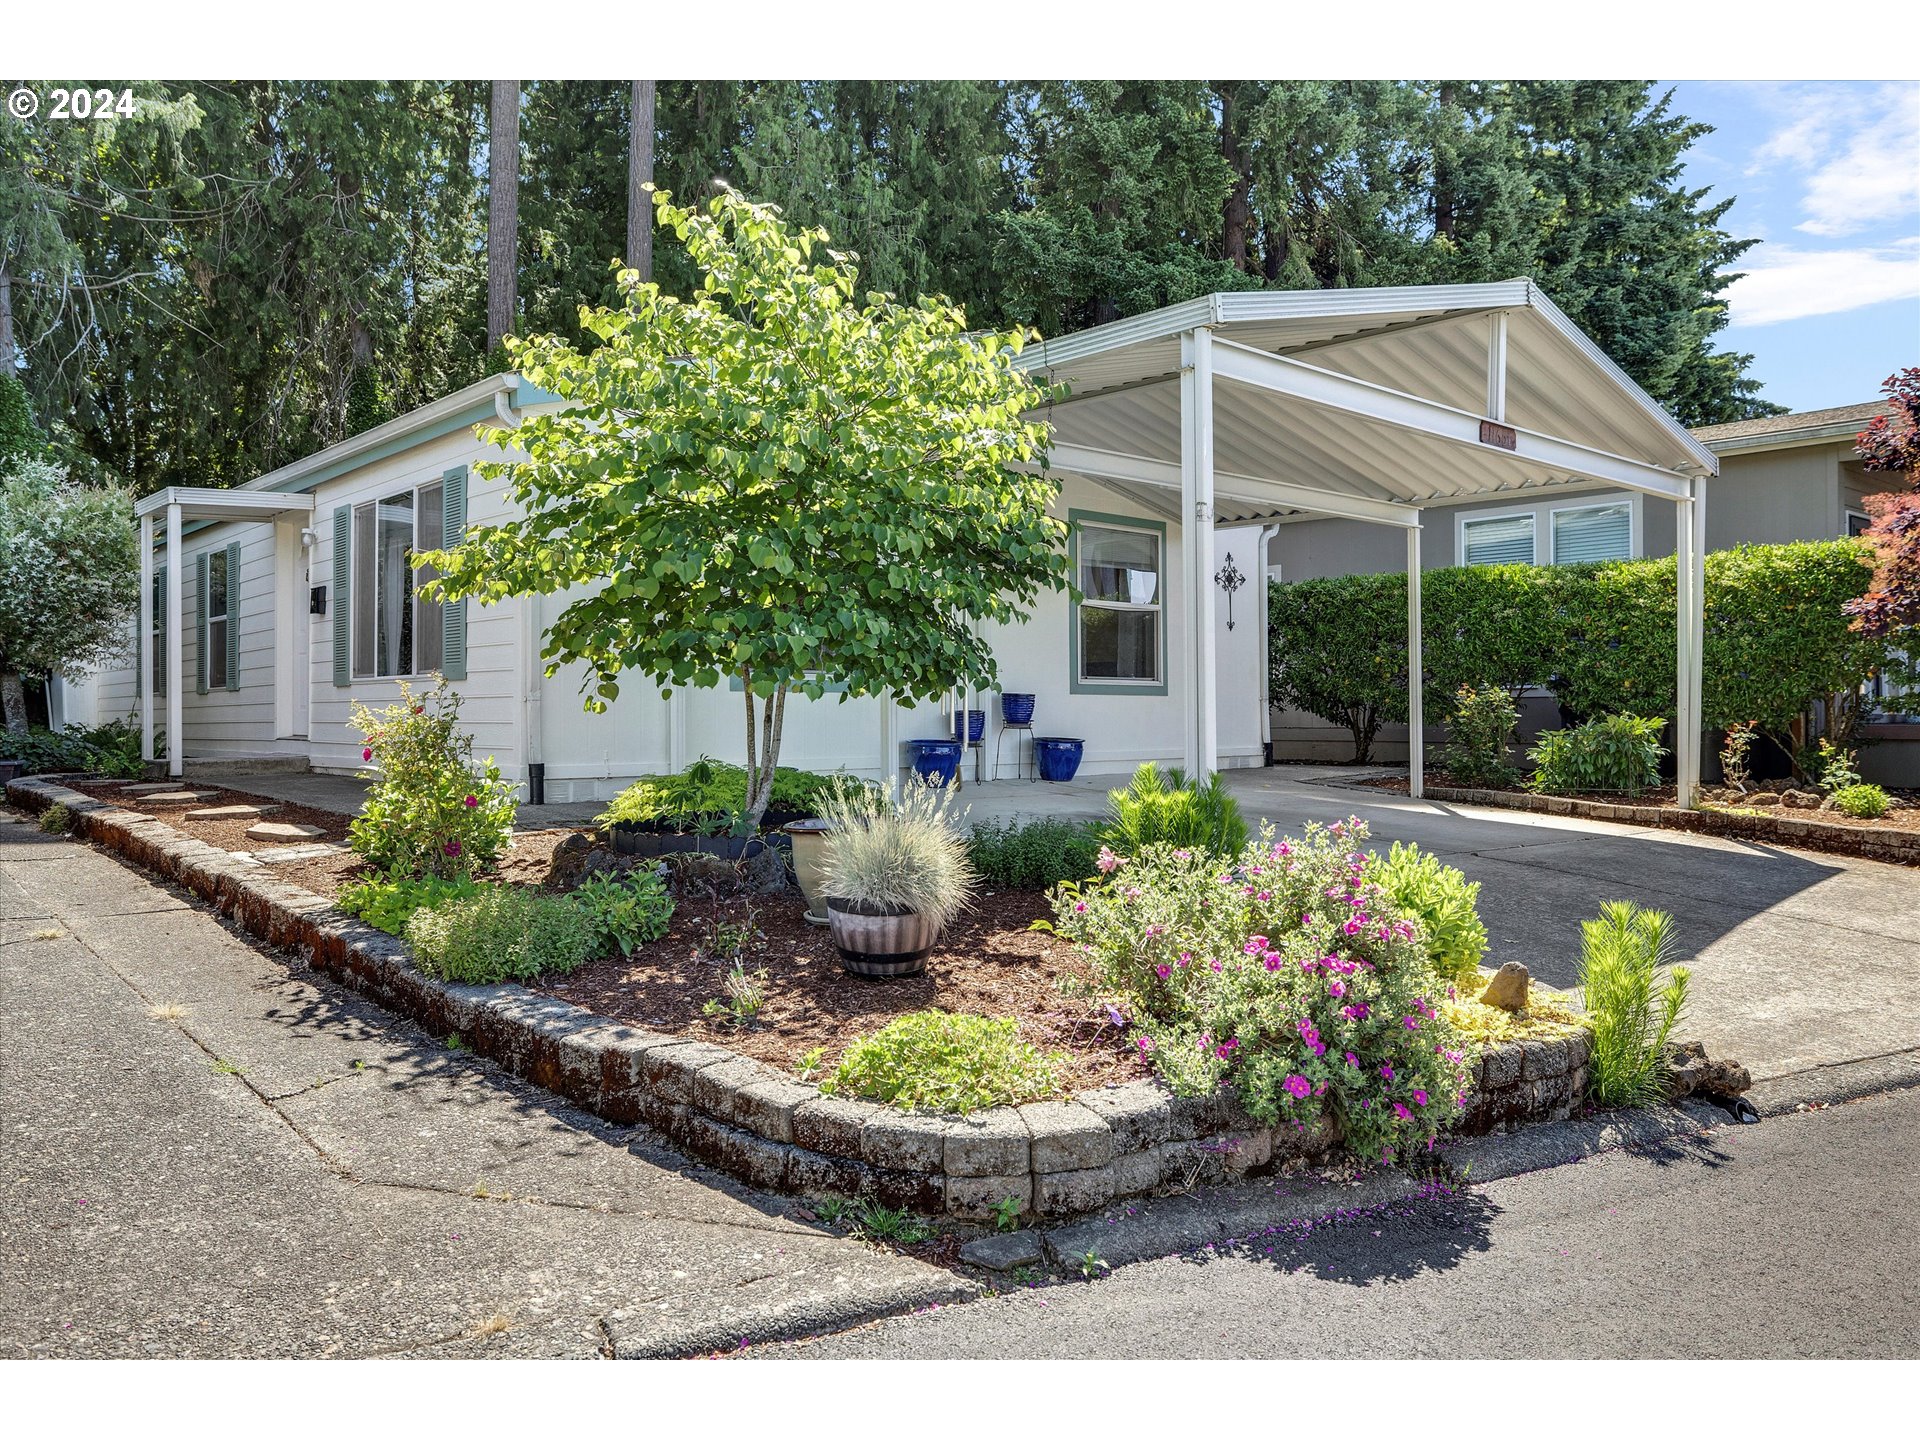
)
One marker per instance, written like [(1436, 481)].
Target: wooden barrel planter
[(881, 942)]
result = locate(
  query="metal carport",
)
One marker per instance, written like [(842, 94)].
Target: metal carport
[(1366, 404)]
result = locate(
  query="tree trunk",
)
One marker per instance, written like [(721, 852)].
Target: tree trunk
[(639, 177), (1237, 212), (503, 210), (764, 727), (7, 355), (13, 699), (1445, 219)]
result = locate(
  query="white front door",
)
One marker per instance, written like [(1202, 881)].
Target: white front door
[(302, 644)]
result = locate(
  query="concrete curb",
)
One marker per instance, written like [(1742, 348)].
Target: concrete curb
[(742, 1117)]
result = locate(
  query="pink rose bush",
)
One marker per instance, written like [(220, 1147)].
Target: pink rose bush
[(1287, 973), (430, 811)]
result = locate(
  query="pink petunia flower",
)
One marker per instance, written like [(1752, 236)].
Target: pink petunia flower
[(367, 754), (471, 801)]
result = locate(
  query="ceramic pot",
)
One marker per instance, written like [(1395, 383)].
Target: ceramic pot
[(1016, 708), (1057, 757), (880, 942), (809, 839), (935, 760)]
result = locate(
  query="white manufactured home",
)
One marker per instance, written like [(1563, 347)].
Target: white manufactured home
[(1186, 439)]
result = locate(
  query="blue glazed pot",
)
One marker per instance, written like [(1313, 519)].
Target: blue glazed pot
[(1016, 709), (970, 727), (936, 760), (1057, 757)]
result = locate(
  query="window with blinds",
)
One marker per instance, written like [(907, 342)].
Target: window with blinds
[(1500, 540), (1595, 532)]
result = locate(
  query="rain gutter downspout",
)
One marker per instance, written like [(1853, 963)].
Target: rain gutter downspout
[(1267, 534)]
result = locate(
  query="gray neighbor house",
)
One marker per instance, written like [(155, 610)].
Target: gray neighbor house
[(1784, 478)]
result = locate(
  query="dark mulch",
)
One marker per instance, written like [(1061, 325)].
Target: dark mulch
[(227, 834), (1904, 814), (987, 963)]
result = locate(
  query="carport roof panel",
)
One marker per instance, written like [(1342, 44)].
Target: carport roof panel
[(1414, 339)]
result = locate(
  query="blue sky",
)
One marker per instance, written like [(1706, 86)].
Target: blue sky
[(1827, 176)]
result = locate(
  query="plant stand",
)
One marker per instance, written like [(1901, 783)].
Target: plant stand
[(1033, 773)]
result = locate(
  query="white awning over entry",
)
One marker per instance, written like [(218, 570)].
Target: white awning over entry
[(175, 506), (1366, 404)]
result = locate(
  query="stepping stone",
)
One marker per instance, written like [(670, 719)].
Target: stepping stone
[(178, 797), (280, 830), (149, 788), (293, 854), (231, 812)]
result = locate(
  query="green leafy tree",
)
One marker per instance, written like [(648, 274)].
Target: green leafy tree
[(777, 481), (71, 564)]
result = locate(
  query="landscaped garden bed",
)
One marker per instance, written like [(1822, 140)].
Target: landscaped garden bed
[(649, 1045)]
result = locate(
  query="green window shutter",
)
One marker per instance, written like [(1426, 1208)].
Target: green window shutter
[(163, 638), (342, 534), (233, 616), (200, 619), (453, 614)]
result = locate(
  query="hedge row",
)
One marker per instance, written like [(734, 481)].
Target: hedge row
[(1600, 637)]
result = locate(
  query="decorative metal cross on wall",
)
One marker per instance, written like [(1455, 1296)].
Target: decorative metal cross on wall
[(1229, 579)]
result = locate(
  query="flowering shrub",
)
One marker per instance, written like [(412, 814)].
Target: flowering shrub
[(1286, 972), (429, 813)]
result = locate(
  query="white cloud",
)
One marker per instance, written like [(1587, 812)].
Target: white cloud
[(1788, 284), (1856, 147)]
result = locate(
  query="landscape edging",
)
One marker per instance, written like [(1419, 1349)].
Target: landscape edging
[(1900, 847), (743, 1117)]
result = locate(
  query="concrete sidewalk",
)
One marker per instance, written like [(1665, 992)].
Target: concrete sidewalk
[(211, 1154)]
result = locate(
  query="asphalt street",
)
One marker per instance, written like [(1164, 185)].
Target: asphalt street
[(1794, 1237)]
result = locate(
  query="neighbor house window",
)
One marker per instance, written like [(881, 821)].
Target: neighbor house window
[(395, 631), (1497, 540), (1593, 532), (218, 619), (1118, 625)]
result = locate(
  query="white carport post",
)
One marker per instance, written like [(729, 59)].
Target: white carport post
[(145, 640), (176, 745), (1416, 698), (1690, 548), (1202, 750)]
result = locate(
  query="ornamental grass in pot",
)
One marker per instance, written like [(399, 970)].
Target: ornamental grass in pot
[(893, 873)]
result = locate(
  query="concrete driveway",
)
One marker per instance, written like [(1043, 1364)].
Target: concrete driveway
[(1801, 960)]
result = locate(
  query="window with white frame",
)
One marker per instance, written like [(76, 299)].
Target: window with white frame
[(218, 619), (1593, 532), (1119, 621), (395, 631), (1497, 540), (157, 682)]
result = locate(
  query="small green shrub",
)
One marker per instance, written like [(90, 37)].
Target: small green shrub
[(388, 902), (56, 820), (954, 1064), (1622, 956), (1172, 810), (904, 855), (428, 813), (1736, 754), (112, 749), (505, 932), (743, 996), (1034, 854), (710, 794), (1441, 900), (1862, 802), (1834, 767), (1480, 734), (1615, 752), (626, 911)]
